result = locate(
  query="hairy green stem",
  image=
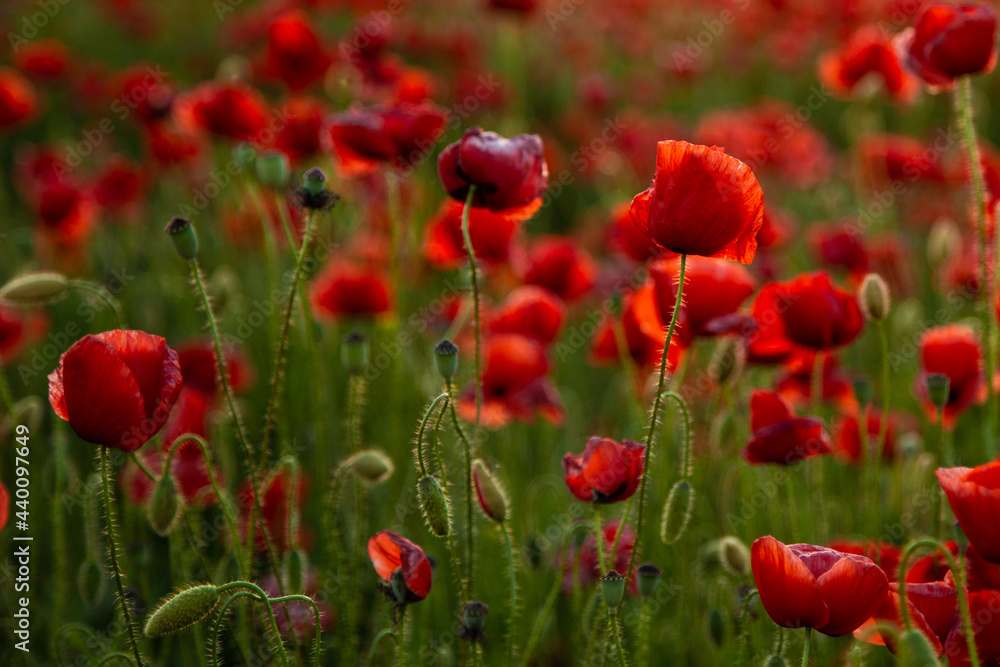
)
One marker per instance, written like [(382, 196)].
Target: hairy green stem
[(467, 236)]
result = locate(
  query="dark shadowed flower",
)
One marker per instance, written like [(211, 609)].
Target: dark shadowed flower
[(295, 51), (230, 109), (816, 313), (18, 101), (778, 436), (606, 472)]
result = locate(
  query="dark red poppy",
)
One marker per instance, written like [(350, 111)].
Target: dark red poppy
[(817, 314), (795, 383), (628, 240), (974, 496), (401, 135), (778, 436), (509, 175), (120, 187), (802, 585), (983, 607), (518, 6), (142, 91), (949, 41), (714, 289), (932, 609), (589, 570), (867, 53), (953, 350), (44, 60), (295, 51), (389, 552), (344, 290), (230, 109), (515, 384), (492, 236), (883, 554), (275, 511), (531, 311), (4, 506), (18, 101), (606, 472), (116, 388), (933, 567), (298, 136), (171, 147), (197, 359), (847, 436), (701, 202), (644, 333), (767, 341), (839, 246), (19, 329), (887, 158), (560, 265), (66, 213)]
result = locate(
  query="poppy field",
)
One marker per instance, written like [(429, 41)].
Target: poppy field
[(499, 332)]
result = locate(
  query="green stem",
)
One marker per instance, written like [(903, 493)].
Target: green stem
[(550, 601), (655, 415), (262, 597), (402, 659), (475, 300), (816, 387), (386, 632), (805, 649), (512, 619), (742, 656), (469, 537), (599, 537), (617, 634), (423, 427), (935, 488), (109, 517), (883, 430), (105, 296)]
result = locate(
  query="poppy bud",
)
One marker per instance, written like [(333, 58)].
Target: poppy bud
[(273, 169), (613, 588), (943, 242), (35, 289), (165, 506), (182, 235), (354, 352), (648, 579), (435, 506), (244, 154), (295, 567), (873, 297), (473, 619), (731, 554), (492, 498), (182, 610), (938, 388), (314, 180), (370, 465), (727, 361), (90, 581), (863, 390), (913, 650), (677, 512), (716, 627), (446, 358)]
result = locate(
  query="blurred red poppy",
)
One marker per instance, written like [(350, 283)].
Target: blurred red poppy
[(767, 342), (560, 265), (589, 570), (275, 511), (401, 135), (492, 235), (884, 554), (345, 290), (795, 384), (197, 359), (18, 101), (628, 240), (116, 388), (19, 329), (606, 472), (301, 614), (531, 311), (644, 333), (509, 175), (701, 202), (887, 158), (44, 60), (389, 552), (778, 436), (142, 92), (953, 350), (298, 137), (802, 585), (295, 51), (983, 607), (839, 246), (515, 384), (867, 53), (120, 187), (230, 109), (974, 496), (847, 437), (932, 609), (66, 213), (949, 41), (816, 313)]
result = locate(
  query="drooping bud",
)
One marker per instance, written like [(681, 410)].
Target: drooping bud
[(734, 556), (295, 568), (182, 610), (446, 358), (492, 497), (354, 352), (728, 360), (314, 181), (938, 388), (165, 506), (371, 466), (90, 581), (873, 297), (34, 289), (914, 650), (183, 236), (435, 506), (648, 579), (473, 621), (716, 626), (863, 390), (677, 512), (273, 169), (943, 242), (613, 588)]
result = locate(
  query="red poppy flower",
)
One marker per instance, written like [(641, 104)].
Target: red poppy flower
[(953, 350), (932, 608), (949, 41), (886, 158), (531, 311), (847, 437), (295, 52), (561, 265), (701, 202), (66, 213), (983, 607), (644, 331), (170, 146), (867, 52), (628, 240), (19, 330), (121, 187), (933, 567), (4, 505), (839, 246), (197, 359), (509, 175), (519, 6), (778, 436), (776, 228), (298, 137), (345, 290), (43, 59), (116, 388), (515, 385), (767, 342), (883, 554), (18, 101), (275, 511), (802, 585), (389, 552), (817, 314), (230, 109), (713, 291), (589, 570), (606, 472), (401, 135), (974, 496), (795, 384), (492, 236), (143, 90)]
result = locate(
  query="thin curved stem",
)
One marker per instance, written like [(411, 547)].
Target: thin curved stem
[(475, 300), (423, 427), (219, 623), (105, 296), (386, 632), (318, 640), (262, 597), (469, 537), (742, 653)]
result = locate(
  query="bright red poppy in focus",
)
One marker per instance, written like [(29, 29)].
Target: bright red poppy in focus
[(606, 472), (806, 586), (116, 388), (974, 496), (778, 436), (344, 290), (949, 41), (389, 552), (953, 350)]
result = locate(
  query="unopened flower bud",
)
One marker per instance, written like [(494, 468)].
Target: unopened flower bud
[(938, 388), (182, 610), (183, 236), (371, 466), (873, 297), (34, 289), (734, 556), (473, 621), (492, 498), (775, 660), (354, 353), (728, 360), (648, 579), (914, 650), (397, 583), (314, 181), (943, 242), (716, 626), (273, 169), (164, 506), (435, 506), (863, 390), (446, 358), (612, 588), (295, 568), (677, 512)]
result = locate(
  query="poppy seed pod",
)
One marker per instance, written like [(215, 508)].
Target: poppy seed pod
[(446, 358), (938, 388), (863, 390), (314, 180), (182, 610), (354, 353), (165, 506), (613, 588), (183, 236), (873, 297), (492, 497), (648, 579), (35, 289), (677, 512), (370, 465), (435, 506), (473, 620), (273, 169), (716, 627)]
